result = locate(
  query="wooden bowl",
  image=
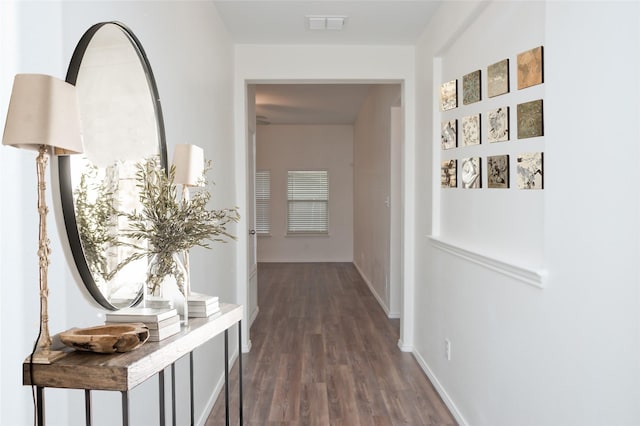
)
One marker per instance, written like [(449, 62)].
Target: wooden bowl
[(106, 339)]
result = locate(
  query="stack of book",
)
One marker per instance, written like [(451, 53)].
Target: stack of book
[(202, 305), (161, 322)]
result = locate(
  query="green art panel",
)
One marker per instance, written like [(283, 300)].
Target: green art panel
[(471, 92), (530, 119)]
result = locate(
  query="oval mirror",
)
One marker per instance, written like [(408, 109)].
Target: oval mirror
[(122, 125)]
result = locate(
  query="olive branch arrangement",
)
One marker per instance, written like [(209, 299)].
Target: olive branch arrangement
[(171, 225), (165, 224)]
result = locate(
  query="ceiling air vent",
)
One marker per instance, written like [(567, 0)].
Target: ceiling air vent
[(325, 22)]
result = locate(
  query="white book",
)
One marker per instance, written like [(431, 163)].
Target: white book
[(203, 314), (201, 299), (140, 315), (163, 333), (164, 323), (206, 309)]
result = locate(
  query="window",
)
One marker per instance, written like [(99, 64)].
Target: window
[(263, 201), (308, 202)]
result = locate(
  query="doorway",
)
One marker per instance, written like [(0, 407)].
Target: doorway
[(376, 126)]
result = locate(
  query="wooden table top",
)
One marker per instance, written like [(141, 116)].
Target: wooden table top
[(124, 371)]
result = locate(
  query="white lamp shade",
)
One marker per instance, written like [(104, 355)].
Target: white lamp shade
[(43, 110), (189, 163)]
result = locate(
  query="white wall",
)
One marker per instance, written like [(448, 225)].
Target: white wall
[(567, 353), (372, 192), (192, 58), (281, 148)]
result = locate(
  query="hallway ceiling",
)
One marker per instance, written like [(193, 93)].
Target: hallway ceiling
[(368, 22), (309, 103)]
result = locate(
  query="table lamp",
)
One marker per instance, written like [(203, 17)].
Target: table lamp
[(188, 161), (43, 116)]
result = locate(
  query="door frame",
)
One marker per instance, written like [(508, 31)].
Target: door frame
[(407, 237)]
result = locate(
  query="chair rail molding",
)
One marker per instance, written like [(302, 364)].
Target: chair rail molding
[(536, 277)]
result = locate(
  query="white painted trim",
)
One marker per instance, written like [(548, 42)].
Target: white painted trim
[(403, 347), (385, 308), (204, 415), (527, 275), (440, 389)]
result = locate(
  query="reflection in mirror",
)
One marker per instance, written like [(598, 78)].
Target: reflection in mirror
[(122, 125)]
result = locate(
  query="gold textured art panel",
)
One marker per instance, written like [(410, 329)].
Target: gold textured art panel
[(530, 68)]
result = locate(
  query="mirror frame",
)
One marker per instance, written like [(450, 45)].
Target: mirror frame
[(64, 167)]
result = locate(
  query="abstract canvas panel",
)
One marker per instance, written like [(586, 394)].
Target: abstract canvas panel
[(449, 95), (498, 171), (498, 125), (471, 92), (498, 78), (470, 173), (530, 171), (471, 130), (448, 171), (530, 119), (449, 134), (530, 68)]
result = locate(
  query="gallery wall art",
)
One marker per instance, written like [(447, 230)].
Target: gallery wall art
[(530, 171), (449, 95), (465, 124), (530, 68), (498, 125), (449, 134), (498, 171), (471, 90), (471, 173), (471, 130), (530, 119), (498, 78), (448, 173)]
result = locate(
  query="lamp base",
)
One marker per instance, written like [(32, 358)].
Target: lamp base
[(45, 357)]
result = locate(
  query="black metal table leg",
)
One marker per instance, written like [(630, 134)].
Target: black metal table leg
[(161, 396), (240, 370), (125, 408), (87, 407), (191, 393), (226, 376), (40, 405), (173, 393)]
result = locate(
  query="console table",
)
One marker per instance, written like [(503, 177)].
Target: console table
[(123, 372)]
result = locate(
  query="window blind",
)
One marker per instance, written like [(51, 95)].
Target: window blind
[(263, 201), (308, 202)]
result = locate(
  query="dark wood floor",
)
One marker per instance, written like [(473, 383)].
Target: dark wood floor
[(324, 353)]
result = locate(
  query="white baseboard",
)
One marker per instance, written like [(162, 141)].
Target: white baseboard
[(403, 347), (216, 392), (440, 389), (385, 308)]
